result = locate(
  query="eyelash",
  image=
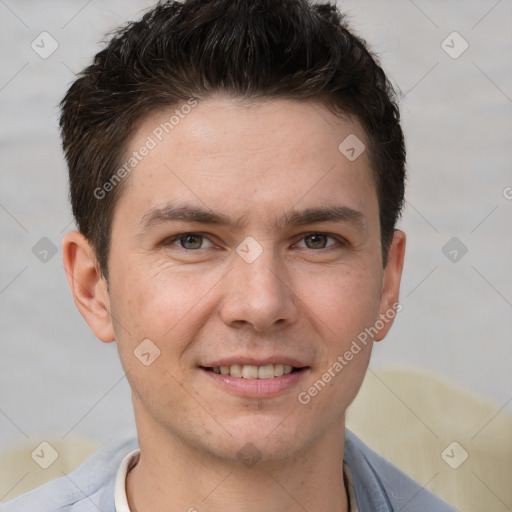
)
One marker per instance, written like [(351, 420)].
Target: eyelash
[(169, 241)]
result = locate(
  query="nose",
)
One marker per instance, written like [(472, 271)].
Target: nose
[(258, 294)]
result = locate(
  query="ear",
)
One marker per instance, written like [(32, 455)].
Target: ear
[(389, 304), (88, 286)]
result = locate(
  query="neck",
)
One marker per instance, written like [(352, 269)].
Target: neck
[(172, 476)]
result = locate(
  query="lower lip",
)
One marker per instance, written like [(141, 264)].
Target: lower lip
[(257, 388)]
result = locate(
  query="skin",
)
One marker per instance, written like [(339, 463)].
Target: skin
[(303, 297)]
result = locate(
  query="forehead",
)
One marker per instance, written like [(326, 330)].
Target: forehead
[(218, 124), (252, 157)]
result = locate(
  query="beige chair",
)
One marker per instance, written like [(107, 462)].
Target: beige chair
[(457, 445), (20, 471), (445, 437)]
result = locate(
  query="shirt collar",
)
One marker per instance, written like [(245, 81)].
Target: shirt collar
[(129, 462), (120, 499)]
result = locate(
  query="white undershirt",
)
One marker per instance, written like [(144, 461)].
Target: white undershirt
[(129, 462), (120, 499)]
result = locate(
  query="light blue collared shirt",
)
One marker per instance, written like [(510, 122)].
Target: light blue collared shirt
[(377, 485)]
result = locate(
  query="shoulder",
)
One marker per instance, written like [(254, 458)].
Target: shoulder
[(379, 485), (90, 487)]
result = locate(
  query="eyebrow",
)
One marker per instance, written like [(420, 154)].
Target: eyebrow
[(193, 214)]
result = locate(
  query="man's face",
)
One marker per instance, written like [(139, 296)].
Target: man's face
[(276, 282)]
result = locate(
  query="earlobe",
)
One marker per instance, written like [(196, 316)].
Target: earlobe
[(389, 303), (87, 285)]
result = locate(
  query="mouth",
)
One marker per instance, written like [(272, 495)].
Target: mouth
[(256, 381), (249, 371)]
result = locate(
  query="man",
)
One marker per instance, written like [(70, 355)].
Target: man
[(236, 173)]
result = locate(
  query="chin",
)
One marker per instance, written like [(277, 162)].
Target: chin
[(265, 439)]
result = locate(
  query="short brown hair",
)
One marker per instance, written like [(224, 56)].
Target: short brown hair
[(247, 49)]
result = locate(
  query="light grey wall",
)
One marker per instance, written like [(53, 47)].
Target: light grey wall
[(457, 115)]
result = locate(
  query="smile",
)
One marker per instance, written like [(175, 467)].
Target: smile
[(256, 381), (248, 371)]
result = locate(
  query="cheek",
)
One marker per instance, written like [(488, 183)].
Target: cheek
[(342, 310), (342, 302), (155, 313), (347, 304), (164, 303)]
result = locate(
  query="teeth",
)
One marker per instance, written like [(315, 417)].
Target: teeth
[(235, 370), (249, 371), (266, 372)]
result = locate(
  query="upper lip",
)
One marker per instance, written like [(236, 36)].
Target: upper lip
[(254, 361)]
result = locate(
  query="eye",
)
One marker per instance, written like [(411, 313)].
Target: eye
[(190, 241), (318, 241)]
